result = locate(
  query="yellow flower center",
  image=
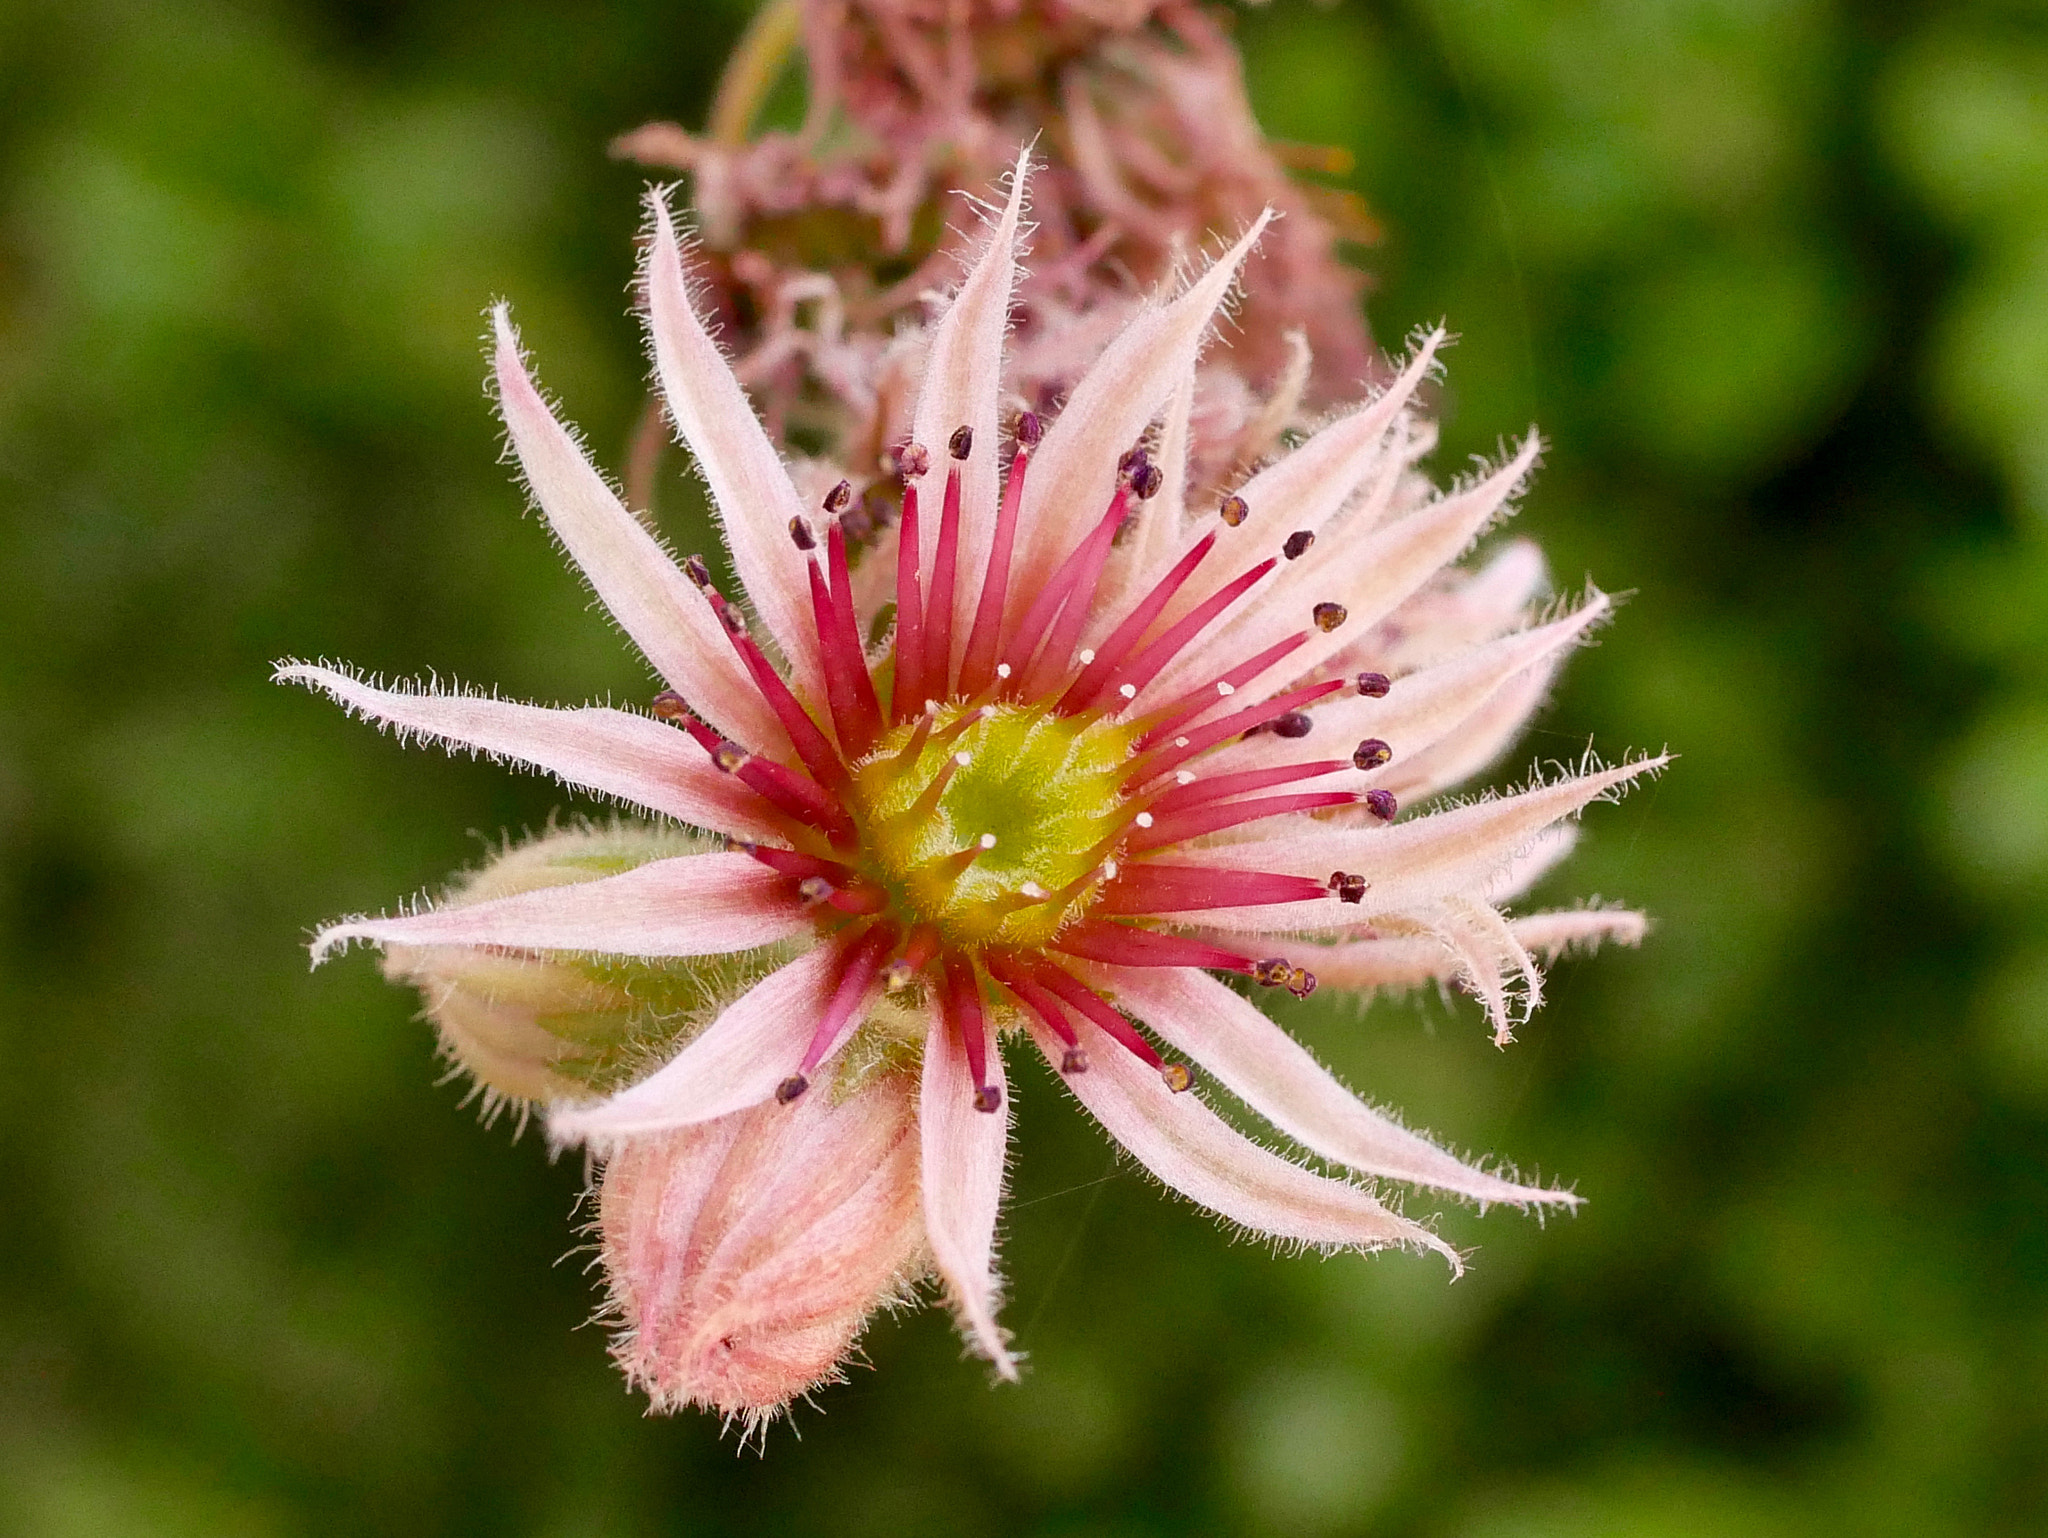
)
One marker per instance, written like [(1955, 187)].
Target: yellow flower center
[(1026, 809)]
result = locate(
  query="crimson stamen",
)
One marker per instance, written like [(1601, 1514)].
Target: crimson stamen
[(1058, 652), (863, 959), (1024, 642), (1181, 797), (1196, 821), (1194, 703), (937, 669), (1073, 991), (1125, 945), (791, 862), (811, 744), (962, 1005), (1200, 739), (1189, 888), (977, 666), (845, 670), (1146, 666), (906, 695), (1112, 652), (849, 626)]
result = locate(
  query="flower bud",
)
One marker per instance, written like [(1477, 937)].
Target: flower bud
[(552, 1025), (745, 1254)]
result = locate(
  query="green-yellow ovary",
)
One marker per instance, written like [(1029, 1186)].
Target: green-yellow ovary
[(1048, 788)]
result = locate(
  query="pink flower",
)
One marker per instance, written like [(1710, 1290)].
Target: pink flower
[(1111, 747)]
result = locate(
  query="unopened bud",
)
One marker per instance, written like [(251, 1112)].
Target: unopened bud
[(746, 1254), (554, 1025)]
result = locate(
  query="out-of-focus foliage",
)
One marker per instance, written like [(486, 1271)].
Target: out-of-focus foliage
[(1774, 277)]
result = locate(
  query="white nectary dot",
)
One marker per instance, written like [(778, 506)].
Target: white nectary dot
[(988, 841), (963, 758), (1087, 655), (1184, 778), (1128, 691), (1002, 670), (1225, 689), (1180, 742), (1144, 819)]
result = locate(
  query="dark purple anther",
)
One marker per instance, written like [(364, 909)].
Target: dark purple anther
[(1328, 616), (1297, 545), (1374, 686), (1029, 430), (837, 498), (961, 444), (800, 533), (1296, 723), (695, 568), (1381, 804), (1235, 510), (1371, 754), (1146, 481)]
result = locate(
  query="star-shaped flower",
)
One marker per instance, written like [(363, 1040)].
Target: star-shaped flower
[(1037, 766)]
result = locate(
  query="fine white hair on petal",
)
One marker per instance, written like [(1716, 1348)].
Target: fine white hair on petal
[(736, 1062), (1075, 469), (591, 748), (962, 387), (1532, 862), (1406, 961), (690, 905), (1192, 1150), (1465, 610), (750, 486), (1236, 1043), (636, 579), (1368, 577), (963, 1153), (1414, 861)]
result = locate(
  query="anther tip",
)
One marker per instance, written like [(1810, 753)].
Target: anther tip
[(697, 569), (730, 757), (1296, 723), (913, 460), (1328, 616), (1297, 544), (1146, 481), (1374, 686), (790, 1088), (1381, 804), (961, 444), (1178, 1077), (1074, 1061), (1030, 429), (814, 889), (988, 1098), (838, 497), (669, 706), (1235, 510), (800, 533)]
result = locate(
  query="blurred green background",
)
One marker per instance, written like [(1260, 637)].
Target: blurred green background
[(1773, 275)]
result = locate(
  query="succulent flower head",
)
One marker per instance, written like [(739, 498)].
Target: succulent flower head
[(1062, 747)]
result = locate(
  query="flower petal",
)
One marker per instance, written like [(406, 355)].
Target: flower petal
[(1193, 1150), (750, 486), (692, 905), (962, 387), (1415, 861), (1274, 1074), (963, 1185), (1074, 470), (1476, 742), (606, 751), (736, 1062), (646, 592), (1368, 577)]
